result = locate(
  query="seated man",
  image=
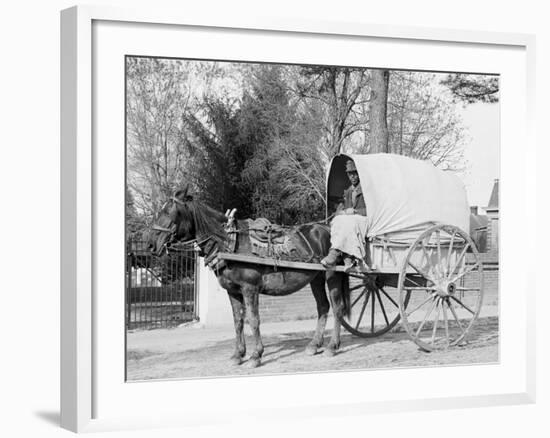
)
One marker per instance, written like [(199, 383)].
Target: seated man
[(348, 229)]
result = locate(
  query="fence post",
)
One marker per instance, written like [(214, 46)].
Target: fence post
[(128, 302), (196, 279)]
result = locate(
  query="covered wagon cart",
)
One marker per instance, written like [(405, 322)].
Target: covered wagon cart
[(420, 264)]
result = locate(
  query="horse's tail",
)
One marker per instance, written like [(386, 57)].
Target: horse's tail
[(346, 296)]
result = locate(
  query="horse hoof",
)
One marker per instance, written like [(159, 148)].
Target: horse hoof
[(311, 350), (253, 363), (330, 352), (236, 360)]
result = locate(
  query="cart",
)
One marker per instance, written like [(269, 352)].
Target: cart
[(420, 265)]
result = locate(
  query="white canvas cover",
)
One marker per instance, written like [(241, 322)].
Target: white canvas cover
[(403, 195)]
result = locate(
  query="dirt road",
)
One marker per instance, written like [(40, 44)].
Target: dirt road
[(188, 352)]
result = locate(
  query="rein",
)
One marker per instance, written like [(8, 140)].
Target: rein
[(192, 242)]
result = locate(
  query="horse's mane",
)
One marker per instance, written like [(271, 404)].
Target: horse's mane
[(208, 222)]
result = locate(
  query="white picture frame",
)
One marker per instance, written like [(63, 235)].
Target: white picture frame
[(83, 369)]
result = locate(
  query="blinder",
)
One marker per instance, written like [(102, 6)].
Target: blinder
[(170, 231), (171, 234)]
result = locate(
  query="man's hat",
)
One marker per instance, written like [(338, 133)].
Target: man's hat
[(350, 166)]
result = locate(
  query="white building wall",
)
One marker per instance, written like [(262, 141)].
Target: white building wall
[(214, 306)]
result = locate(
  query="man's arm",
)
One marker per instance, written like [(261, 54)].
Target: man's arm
[(360, 207), (341, 209)]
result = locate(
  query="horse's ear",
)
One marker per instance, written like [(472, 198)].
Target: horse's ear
[(182, 193)]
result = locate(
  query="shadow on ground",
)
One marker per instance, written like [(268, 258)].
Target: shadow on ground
[(284, 353), (51, 417)]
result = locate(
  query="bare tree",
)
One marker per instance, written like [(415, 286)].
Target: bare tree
[(340, 91), (157, 97), (423, 122), (379, 135)]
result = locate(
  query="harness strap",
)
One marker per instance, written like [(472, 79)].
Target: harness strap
[(177, 201), (312, 253), (237, 230), (159, 228)]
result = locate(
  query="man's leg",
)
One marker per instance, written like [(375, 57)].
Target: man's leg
[(349, 262), (332, 258)]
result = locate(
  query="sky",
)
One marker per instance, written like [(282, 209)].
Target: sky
[(482, 152)]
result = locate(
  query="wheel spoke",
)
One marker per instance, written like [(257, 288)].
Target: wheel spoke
[(418, 307), (446, 322), (388, 297), (462, 289), (450, 304), (438, 234), (420, 271), (466, 271), (448, 268), (362, 311), (373, 305), (382, 307), (358, 298), (428, 259), (459, 259), (356, 287), (412, 281), (463, 305), (425, 318), (436, 321), (420, 288)]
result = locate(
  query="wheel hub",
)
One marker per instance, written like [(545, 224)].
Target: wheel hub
[(446, 289)]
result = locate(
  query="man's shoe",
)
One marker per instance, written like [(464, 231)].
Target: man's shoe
[(331, 259), (349, 264)]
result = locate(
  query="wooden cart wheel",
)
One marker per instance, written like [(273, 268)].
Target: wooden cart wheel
[(440, 287), (374, 308)]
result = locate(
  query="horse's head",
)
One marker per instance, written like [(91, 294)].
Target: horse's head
[(174, 223)]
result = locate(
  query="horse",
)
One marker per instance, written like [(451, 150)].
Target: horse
[(184, 219)]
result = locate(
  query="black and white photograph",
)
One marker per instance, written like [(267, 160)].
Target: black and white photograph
[(290, 219), (304, 218)]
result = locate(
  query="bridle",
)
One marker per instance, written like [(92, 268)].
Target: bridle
[(172, 231), (159, 228)]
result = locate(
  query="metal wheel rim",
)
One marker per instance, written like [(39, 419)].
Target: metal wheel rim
[(376, 292), (441, 303)]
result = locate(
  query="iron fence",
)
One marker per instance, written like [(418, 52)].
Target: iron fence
[(160, 291)]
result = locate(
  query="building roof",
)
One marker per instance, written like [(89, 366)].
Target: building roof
[(478, 221), (493, 201)]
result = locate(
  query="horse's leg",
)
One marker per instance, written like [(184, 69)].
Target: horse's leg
[(323, 306), (334, 282), (237, 304), (251, 301)]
